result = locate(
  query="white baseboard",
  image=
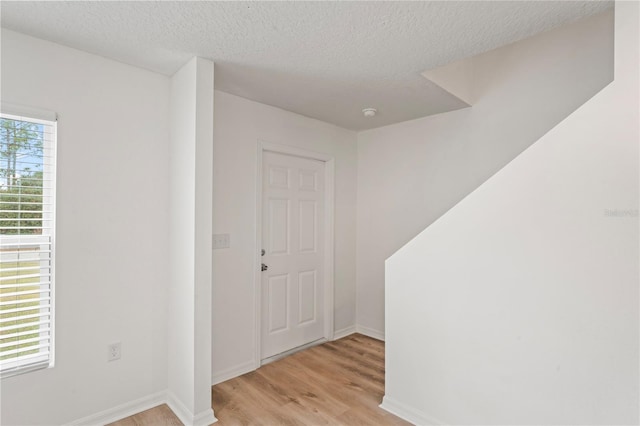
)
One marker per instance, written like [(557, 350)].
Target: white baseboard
[(121, 411), (239, 370), (230, 373), (375, 334), (204, 418), (339, 334), (409, 414)]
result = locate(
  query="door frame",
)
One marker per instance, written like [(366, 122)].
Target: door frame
[(329, 206)]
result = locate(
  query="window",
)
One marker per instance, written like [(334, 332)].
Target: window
[(27, 207)]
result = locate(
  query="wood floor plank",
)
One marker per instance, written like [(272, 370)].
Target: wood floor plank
[(298, 391), (336, 383), (345, 384), (160, 415)]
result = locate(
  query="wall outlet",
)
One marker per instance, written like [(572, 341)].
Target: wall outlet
[(221, 241), (114, 351)]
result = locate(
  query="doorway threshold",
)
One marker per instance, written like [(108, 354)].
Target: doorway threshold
[(292, 351)]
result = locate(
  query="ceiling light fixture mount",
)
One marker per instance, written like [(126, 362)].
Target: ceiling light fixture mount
[(369, 112)]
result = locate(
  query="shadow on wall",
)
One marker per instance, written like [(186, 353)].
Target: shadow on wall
[(422, 168)]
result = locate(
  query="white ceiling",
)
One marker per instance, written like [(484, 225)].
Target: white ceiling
[(325, 60)]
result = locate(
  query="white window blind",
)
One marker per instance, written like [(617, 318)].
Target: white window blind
[(27, 207)]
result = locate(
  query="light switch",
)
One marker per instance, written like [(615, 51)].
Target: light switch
[(221, 241)]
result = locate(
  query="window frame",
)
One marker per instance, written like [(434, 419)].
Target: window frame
[(49, 168)]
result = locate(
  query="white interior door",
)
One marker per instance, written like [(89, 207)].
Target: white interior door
[(293, 243)]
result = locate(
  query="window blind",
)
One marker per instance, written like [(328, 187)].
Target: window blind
[(27, 208)]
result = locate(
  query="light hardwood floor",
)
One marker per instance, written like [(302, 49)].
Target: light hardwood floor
[(160, 415), (336, 383)]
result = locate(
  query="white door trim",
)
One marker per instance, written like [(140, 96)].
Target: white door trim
[(329, 178)]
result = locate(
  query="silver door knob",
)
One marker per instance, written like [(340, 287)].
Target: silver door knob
[(264, 267)]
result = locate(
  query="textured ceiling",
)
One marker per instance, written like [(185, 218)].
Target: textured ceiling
[(326, 60)]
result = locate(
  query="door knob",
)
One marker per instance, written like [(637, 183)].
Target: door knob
[(264, 267)]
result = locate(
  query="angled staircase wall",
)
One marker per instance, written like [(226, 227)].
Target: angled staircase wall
[(411, 173), (520, 304)]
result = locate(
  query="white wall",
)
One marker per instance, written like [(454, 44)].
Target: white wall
[(189, 316), (520, 305), (409, 174), (112, 245), (239, 123)]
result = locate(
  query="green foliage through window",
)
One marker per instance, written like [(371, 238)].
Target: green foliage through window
[(21, 177)]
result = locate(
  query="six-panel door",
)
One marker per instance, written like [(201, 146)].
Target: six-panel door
[(293, 240)]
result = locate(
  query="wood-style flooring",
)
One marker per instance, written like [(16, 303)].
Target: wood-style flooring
[(336, 383), (160, 415)]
